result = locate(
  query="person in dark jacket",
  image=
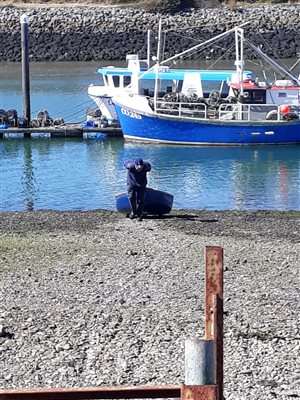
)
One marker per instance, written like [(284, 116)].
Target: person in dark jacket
[(136, 185)]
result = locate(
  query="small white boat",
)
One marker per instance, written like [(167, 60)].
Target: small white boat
[(114, 81)]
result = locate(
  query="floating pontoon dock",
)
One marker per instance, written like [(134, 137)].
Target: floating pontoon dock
[(65, 131)]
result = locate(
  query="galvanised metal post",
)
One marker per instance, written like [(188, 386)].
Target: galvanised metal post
[(200, 359)]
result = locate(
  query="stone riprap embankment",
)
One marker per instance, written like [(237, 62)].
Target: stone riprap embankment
[(83, 33), (92, 298)]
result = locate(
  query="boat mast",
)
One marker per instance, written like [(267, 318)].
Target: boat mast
[(239, 54), (157, 65), (148, 47), (158, 41)]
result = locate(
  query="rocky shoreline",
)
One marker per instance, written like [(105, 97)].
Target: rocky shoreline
[(92, 298), (95, 33)]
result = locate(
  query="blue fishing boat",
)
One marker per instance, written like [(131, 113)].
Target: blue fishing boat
[(156, 202), (139, 76), (244, 111)]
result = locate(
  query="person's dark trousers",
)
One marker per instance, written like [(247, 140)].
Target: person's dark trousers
[(136, 197), (132, 199), (140, 200)]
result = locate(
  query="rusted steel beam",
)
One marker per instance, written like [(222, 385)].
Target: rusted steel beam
[(138, 392), (213, 285), (219, 345), (205, 392), (214, 307)]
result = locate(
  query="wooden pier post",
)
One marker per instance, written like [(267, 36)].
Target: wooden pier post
[(25, 67)]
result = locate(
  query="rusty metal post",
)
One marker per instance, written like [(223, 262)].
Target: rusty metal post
[(138, 392), (198, 392), (214, 307)]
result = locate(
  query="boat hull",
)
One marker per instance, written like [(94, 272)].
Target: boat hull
[(156, 202), (152, 128)]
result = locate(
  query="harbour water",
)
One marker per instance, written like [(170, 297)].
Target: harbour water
[(84, 174), (60, 88)]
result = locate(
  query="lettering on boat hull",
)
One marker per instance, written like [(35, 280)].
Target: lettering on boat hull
[(130, 114)]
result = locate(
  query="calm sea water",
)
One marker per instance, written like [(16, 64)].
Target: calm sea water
[(86, 174)]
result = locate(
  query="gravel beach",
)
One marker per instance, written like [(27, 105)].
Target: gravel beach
[(93, 298)]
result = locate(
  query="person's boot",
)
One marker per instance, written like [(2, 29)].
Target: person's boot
[(139, 212), (133, 212), (140, 217)]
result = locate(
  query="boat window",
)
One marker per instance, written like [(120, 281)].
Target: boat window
[(164, 86), (116, 80), (224, 89), (179, 86), (101, 80), (127, 80), (143, 65), (259, 96), (209, 86), (282, 94), (254, 96), (147, 87)]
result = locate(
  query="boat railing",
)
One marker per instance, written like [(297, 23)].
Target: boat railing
[(225, 111), (249, 112), (181, 109), (296, 110)]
